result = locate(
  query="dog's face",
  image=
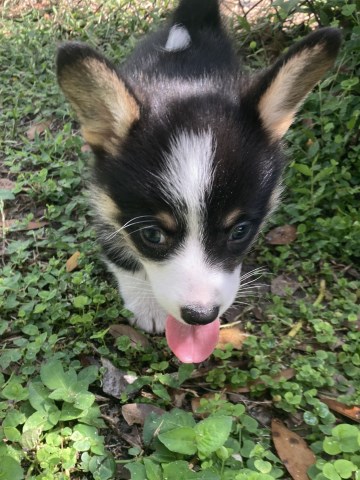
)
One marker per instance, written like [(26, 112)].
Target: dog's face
[(190, 201), (183, 193)]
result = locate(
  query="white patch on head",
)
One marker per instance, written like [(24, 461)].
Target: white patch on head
[(178, 39), (188, 175)]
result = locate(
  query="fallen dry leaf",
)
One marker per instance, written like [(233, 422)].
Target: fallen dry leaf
[(8, 223), (282, 285), (137, 412), (22, 227), (281, 235), (178, 397), (121, 329), (286, 374), (36, 129), (115, 381), (6, 184), (350, 412), (72, 262), (232, 335), (292, 450), (34, 225)]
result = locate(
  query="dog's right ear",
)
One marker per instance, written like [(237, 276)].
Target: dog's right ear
[(280, 91), (105, 107)]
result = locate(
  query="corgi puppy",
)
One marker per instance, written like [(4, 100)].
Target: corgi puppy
[(187, 163)]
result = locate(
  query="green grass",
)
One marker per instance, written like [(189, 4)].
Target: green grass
[(58, 418)]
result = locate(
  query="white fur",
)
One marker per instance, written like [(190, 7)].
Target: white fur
[(178, 39), (189, 173), (188, 279), (138, 297)]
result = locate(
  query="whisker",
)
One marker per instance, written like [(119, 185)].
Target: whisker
[(254, 286), (140, 283), (255, 271), (247, 293), (242, 303), (139, 229), (249, 282), (126, 225)]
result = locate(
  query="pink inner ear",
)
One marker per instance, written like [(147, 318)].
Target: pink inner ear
[(191, 343)]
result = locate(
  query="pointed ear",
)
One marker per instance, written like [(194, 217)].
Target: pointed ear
[(281, 90), (105, 107)]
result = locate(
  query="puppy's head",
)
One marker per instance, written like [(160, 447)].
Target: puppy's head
[(184, 194)]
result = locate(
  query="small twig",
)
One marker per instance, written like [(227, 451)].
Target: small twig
[(229, 325), (321, 295), (2, 227), (295, 329)]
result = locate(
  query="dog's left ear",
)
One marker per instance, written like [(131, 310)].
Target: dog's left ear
[(104, 105), (280, 91)]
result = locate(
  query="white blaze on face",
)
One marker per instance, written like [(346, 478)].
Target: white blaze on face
[(178, 39), (188, 278), (189, 174)]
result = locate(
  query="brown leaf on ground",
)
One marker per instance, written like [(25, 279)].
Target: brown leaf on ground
[(283, 285), (72, 262), (121, 329), (350, 412), (178, 396), (36, 129), (122, 473), (22, 227), (281, 235), (292, 450), (232, 335), (137, 412), (115, 381), (285, 374), (6, 184)]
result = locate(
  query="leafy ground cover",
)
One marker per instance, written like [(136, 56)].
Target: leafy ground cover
[(81, 395)]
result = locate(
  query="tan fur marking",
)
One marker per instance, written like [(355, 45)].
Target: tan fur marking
[(231, 218), (280, 102), (105, 108), (275, 199), (105, 207), (167, 220)]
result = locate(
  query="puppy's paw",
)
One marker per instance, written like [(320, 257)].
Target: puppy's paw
[(147, 316), (137, 294)]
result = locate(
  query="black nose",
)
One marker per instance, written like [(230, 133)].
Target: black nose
[(198, 315)]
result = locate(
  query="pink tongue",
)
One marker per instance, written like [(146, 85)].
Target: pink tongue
[(191, 343)]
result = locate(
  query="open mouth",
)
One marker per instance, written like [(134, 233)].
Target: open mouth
[(191, 343)]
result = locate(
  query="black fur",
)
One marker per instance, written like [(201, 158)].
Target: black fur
[(248, 161)]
